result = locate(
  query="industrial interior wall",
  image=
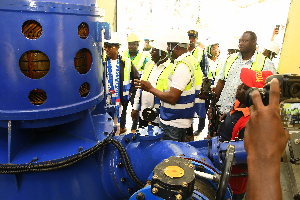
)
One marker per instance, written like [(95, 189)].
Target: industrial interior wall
[(289, 58), (110, 7)]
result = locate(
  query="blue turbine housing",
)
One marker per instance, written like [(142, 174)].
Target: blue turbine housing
[(56, 139)]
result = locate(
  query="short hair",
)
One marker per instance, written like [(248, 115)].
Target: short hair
[(253, 35)]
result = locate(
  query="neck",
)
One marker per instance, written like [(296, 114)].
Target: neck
[(114, 57), (242, 105), (162, 61), (132, 54), (247, 55), (191, 48), (214, 58)]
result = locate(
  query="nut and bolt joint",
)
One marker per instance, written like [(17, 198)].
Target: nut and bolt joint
[(154, 190)]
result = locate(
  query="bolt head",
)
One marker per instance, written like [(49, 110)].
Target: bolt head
[(178, 197), (154, 190), (184, 184), (191, 166), (154, 176)]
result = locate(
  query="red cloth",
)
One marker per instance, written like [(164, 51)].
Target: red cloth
[(245, 111), (238, 126), (238, 184)]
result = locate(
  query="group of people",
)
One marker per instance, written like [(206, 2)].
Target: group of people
[(170, 80)]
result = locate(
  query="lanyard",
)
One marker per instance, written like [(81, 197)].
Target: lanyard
[(115, 89)]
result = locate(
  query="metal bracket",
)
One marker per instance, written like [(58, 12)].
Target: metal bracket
[(107, 31)]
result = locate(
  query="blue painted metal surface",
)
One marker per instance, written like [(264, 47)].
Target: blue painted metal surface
[(68, 125), (196, 194), (60, 42), (218, 149)]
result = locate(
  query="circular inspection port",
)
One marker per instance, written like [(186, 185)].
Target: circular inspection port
[(34, 64), (83, 61), (83, 30), (32, 29), (84, 89), (37, 97)]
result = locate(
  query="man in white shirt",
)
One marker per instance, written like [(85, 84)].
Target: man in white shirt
[(177, 102), (229, 74), (155, 70)]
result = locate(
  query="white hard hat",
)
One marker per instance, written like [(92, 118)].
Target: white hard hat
[(274, 47), (160, 43), (177, 35), (115, 39), (234, 43)]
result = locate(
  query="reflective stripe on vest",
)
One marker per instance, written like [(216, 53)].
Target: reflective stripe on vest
[(258, 65), (162, 80), (184, 107), (138, 60), (198, 53), (126, 81), (210, 75)]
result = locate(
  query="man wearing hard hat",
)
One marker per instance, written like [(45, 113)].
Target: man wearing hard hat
[(139, 60), (203, 63), (156, 72), (119, 73), (178, 100), (272, 50)]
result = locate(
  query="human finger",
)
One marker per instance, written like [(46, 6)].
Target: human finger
[(257, 102), (274, 93)]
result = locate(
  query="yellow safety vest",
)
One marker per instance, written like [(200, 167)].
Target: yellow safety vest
[(258, 65), (184, 107)]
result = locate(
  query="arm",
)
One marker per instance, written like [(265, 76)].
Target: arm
[(265, 140), (275, 32), (180, 79), (170, 97), (219, 88), (134, 74)]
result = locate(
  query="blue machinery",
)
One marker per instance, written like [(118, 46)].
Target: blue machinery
[(56, 140)]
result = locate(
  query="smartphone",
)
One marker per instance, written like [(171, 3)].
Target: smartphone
[(277, 27)]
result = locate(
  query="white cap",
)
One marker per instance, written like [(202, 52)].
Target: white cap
[(177, 35), (274, 47), (234, 43), (115, 39), (160, 43)]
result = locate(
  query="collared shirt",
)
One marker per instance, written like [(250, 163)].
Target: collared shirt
[(147, 99), (245, 111), (227, 97)]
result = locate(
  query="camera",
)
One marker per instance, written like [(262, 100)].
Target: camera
[(277, 27), (205, 89), (289, 89)]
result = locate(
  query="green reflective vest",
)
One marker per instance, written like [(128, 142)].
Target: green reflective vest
[(138, 60), (258, 65)]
